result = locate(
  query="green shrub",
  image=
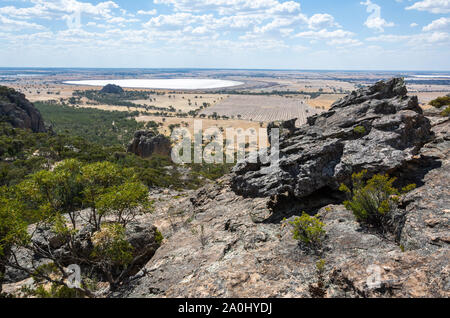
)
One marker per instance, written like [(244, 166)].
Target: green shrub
[(360, 130), (111, 246), (308, 230), (52, 291), (373, 201), (441, 101), (446, 112), (159, 237)]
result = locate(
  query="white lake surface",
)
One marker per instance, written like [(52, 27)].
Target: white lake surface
[(432, 76), (161, 83)]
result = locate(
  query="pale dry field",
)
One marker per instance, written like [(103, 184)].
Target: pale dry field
[(206, 123), (181, 101), (305, 85), (188, 123), (38, 91), (184, 102), (325, 101), (263, 108), (426, 97)]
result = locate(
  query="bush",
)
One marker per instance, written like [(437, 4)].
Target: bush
[(360, 130), (373, 201), (111, 247), (446, 112), (441, 101), (308, 230)]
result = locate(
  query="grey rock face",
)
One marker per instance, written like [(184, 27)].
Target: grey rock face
[(378, 128), (237, 256), (18, 111), (112, 89), (147, 143)]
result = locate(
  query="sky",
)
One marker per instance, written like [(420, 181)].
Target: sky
[(262, 34)]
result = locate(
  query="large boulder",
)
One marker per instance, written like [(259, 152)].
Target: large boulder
[(378, 128), (18, 111), (147, 143)]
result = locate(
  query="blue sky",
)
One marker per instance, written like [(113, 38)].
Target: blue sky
[(305, 34)]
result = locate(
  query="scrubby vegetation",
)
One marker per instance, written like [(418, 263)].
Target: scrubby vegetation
[(112, 197), (441, 101), (373, 201), (318, 290), (360, 130), (446, 112), (108, 128), (309, 230), (121, 99), (23, 153)]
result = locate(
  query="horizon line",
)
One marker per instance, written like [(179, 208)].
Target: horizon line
[(215, 68)]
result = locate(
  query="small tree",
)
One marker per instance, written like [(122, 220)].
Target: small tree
[(373, 201), (112, 252), (51, 200), (13, 230)]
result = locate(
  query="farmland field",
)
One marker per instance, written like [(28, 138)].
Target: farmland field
[(263, 108)]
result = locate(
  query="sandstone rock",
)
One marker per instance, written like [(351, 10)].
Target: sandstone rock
[(18, 111), (148, 143), (378, 128)]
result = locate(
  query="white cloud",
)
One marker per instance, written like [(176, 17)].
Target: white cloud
[(7, 24), (439, 24), (414, 39), (433, 6), (48, 9), (176, 19), (375, 21), (345, 42), (413, 25), (222, 6), (322, 20), (325, 34), (150, 12)]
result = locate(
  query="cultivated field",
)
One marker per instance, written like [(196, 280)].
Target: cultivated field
[(263, 108)]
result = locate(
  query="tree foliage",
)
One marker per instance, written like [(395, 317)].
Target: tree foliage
[(112, 197)]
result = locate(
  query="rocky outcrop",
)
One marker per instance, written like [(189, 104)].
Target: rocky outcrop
[(219, 244), (18, 111), (222, 244), (147, 143), (378, 128), (112, 89)]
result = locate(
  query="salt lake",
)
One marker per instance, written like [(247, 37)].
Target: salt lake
[(186, 83)]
